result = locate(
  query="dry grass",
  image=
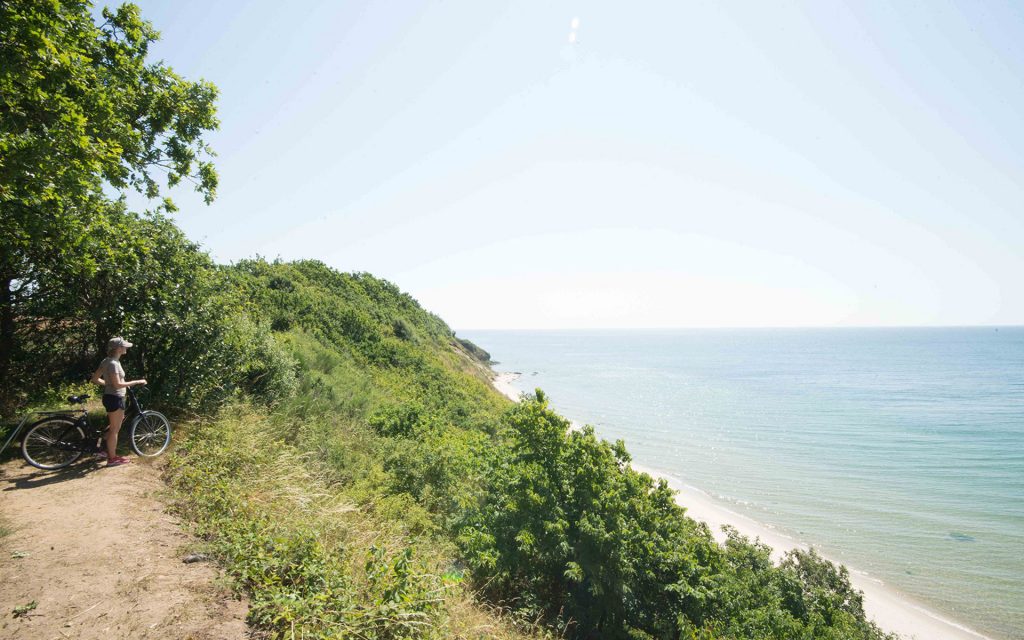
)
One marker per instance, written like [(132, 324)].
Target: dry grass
[(235, 470)]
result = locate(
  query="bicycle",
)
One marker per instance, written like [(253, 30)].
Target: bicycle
[(59, 438)]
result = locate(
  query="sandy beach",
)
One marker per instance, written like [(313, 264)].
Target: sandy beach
[(887, 607), (504, 382)]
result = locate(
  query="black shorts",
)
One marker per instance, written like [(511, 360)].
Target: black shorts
[(112, 402)]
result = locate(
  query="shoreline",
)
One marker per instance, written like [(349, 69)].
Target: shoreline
[(503, 383), (884, 605)]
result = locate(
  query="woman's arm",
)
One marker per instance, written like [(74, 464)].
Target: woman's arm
[(121, 383), (124, 384), (116, 379)]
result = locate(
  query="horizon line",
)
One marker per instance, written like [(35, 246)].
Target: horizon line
[(754, 327)]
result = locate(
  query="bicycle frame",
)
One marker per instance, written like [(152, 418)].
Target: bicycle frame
[(72, 414), (78, 416), (132, 406), (15, 432)]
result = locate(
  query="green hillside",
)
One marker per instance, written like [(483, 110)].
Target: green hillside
[(395, 444), (340, 449)]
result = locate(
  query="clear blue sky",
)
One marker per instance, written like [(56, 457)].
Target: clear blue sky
[(662, 164)]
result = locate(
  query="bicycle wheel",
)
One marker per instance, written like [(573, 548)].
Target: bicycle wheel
[(150, 434), (53, 443)]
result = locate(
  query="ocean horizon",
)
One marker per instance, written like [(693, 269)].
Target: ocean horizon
[(897, 451)]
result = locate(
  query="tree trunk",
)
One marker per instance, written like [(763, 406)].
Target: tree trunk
[(6, 342)]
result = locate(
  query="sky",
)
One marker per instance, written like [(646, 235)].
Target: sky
[(591, 164)]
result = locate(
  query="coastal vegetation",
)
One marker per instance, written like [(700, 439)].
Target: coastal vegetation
[(346, 458)]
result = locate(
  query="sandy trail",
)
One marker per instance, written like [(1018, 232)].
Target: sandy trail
[(95, 549)]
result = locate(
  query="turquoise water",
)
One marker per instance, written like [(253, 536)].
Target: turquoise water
[(899, 452)]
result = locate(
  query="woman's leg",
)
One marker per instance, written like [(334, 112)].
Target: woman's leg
[(116, 418)]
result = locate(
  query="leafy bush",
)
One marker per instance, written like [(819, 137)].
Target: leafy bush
[(139, 276), (313, 565), (567, 530)]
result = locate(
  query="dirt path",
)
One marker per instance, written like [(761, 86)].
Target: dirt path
[(97, 553)]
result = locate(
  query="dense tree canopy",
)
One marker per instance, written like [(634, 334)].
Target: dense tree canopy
[(81, 110), (80, 105)]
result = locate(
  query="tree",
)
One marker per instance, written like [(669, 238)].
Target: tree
[(568, 527), (82, 109)]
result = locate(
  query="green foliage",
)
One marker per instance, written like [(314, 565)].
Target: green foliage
[(403, 329), (442, 468), (571, 532), (81, 108), (137, 275), (410, 355), (569, 525), (312, 565), (402, 420), (82, 105), (820, 594), (474, 350)]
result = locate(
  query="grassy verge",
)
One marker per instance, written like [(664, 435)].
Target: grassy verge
[(313, 564)]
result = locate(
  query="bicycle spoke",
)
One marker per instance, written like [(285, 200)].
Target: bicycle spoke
[(151, 434), (53, 444)]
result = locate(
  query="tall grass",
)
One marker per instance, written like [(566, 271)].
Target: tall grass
[(313, 563)]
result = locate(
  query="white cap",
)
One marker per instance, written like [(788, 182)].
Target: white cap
[(117, 342)]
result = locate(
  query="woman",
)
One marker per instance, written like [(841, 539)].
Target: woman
[(110, 374)]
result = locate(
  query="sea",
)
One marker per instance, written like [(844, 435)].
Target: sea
[(896, 451)]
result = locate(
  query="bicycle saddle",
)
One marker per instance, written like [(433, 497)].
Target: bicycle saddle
[(78, 399)]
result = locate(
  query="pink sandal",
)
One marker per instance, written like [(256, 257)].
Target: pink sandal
[(117, 460)]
